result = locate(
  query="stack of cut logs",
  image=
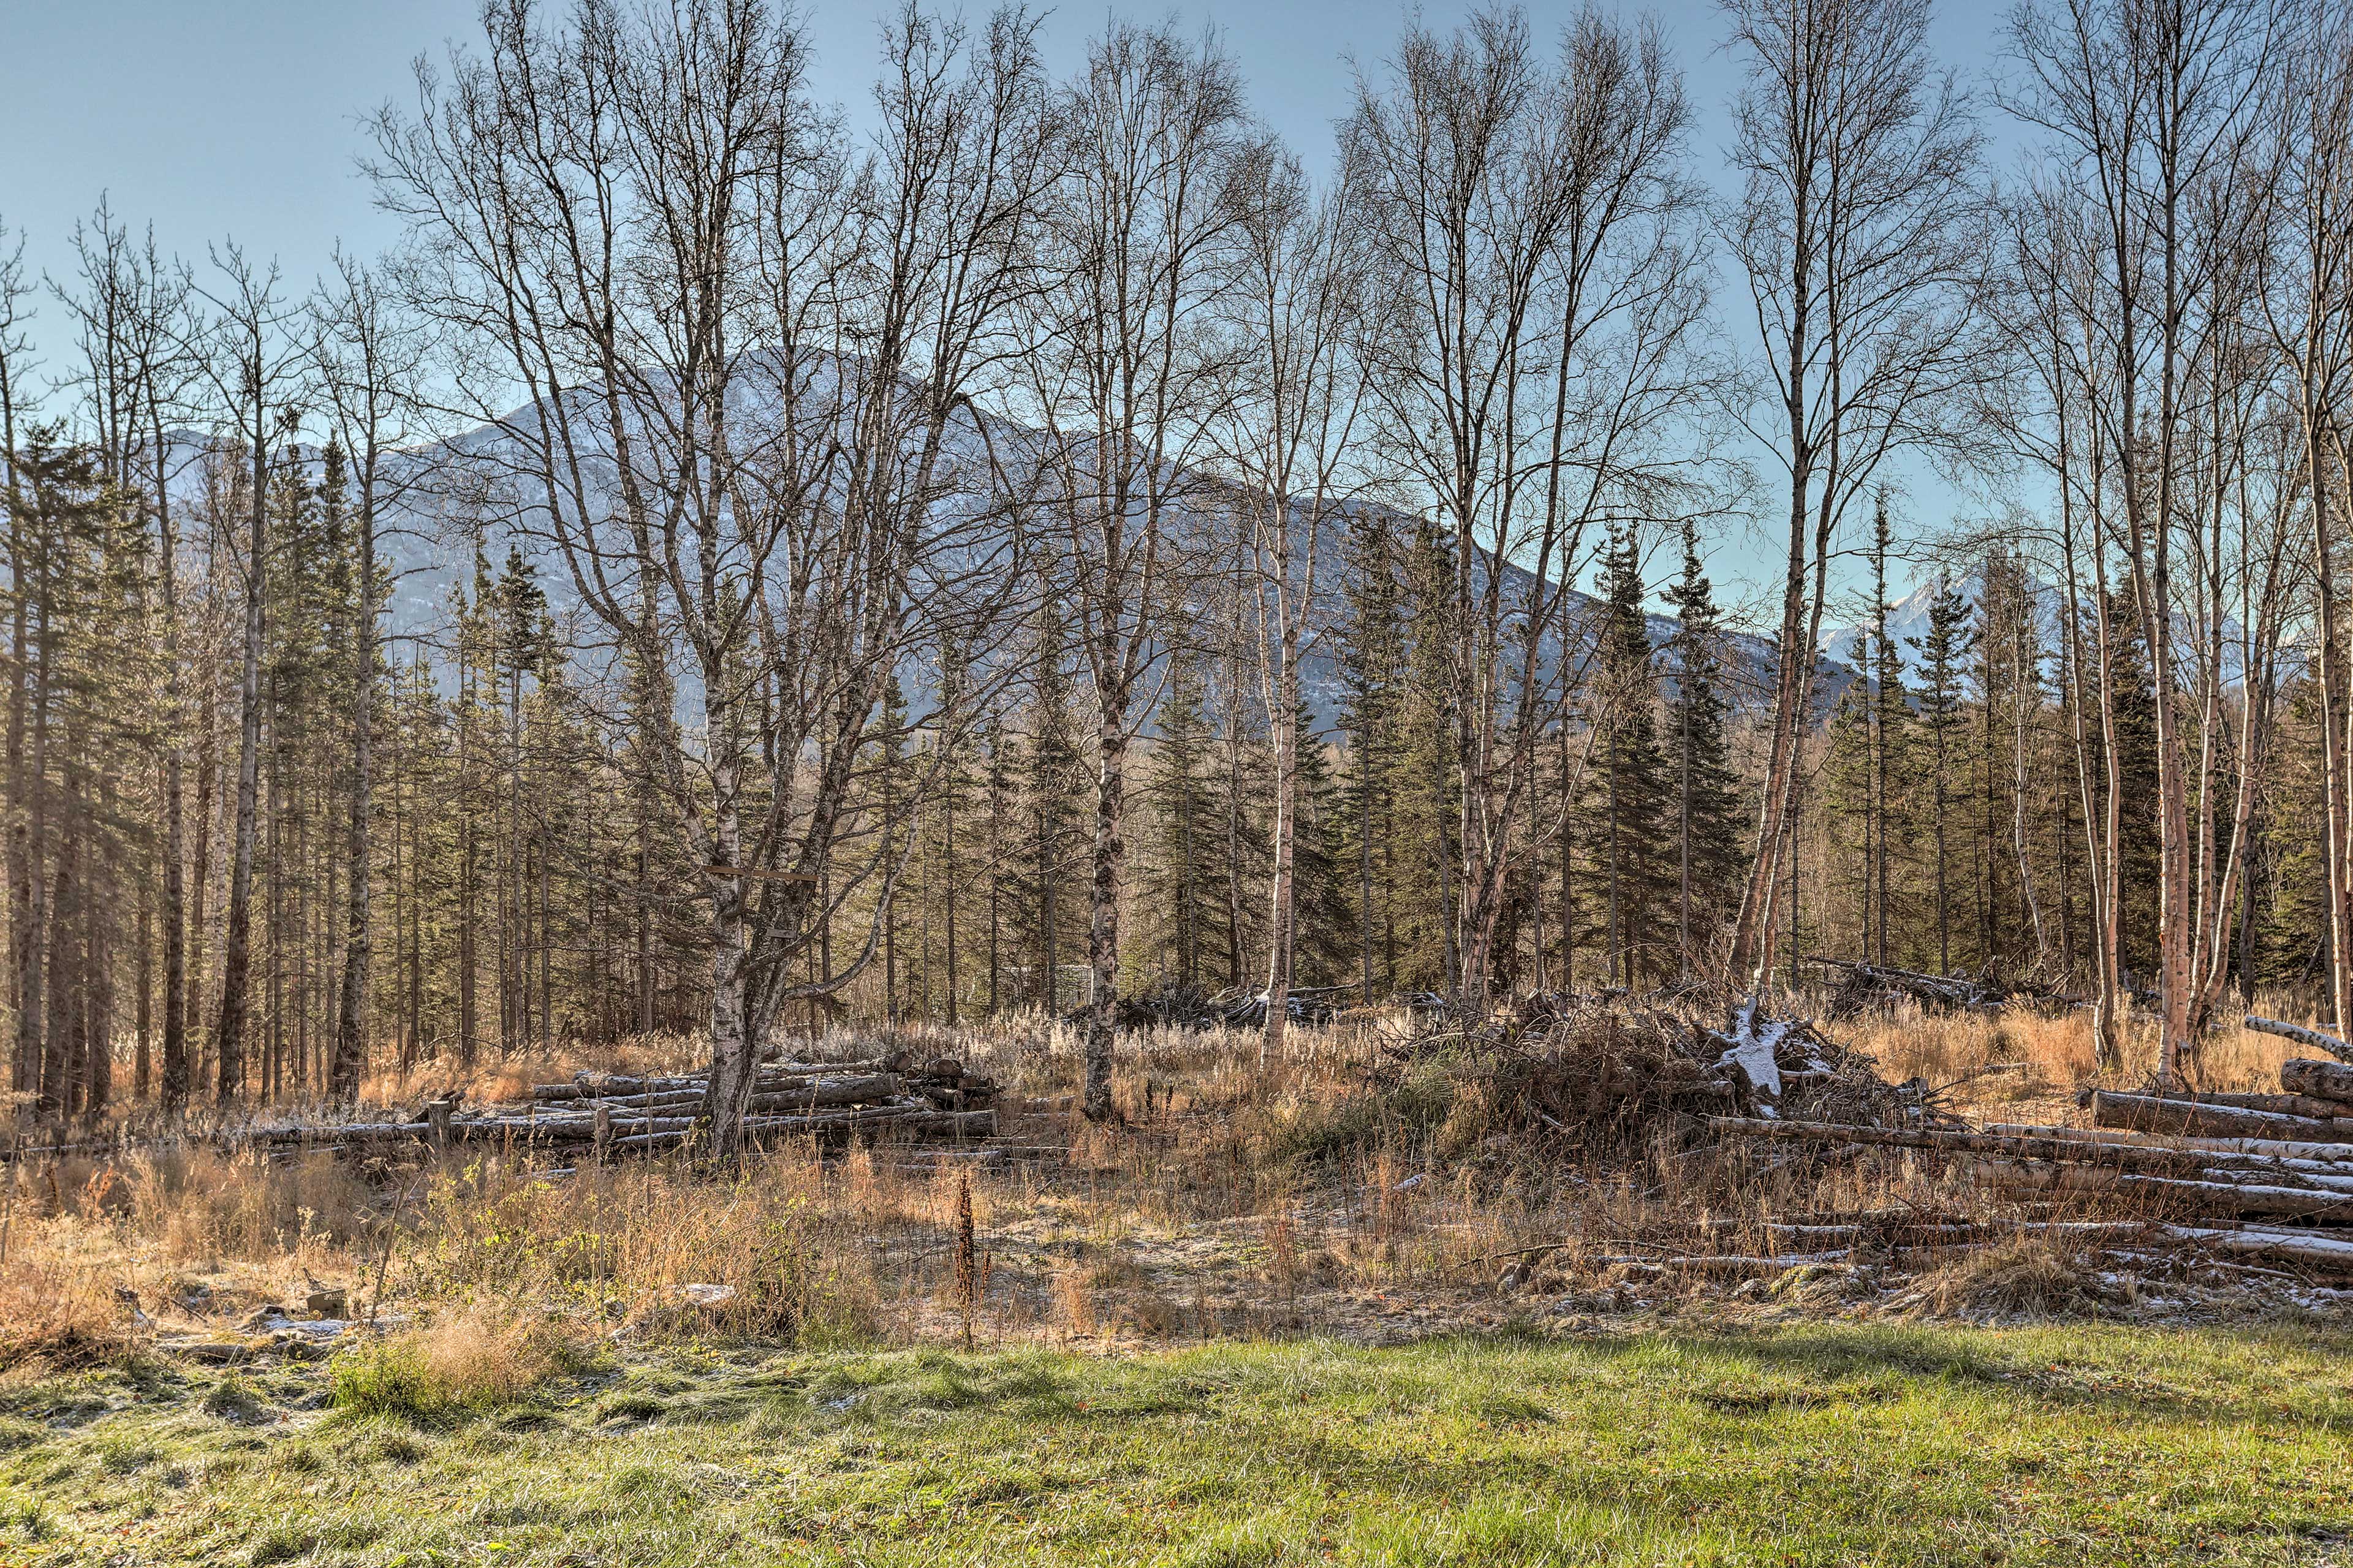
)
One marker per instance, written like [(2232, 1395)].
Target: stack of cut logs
[(2262, 1174), (621, 1115)]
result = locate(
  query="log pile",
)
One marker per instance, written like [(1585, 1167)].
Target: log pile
[(610, 1114), (2253, 1175)]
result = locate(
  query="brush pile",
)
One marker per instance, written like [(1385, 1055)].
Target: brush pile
[(1176, 1005), (1616, 1068), (1867, 987)]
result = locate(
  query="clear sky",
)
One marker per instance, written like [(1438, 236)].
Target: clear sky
[(240, 119)]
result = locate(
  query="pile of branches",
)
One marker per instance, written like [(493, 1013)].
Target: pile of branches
[(2268, 1176), (1607, 1066), (1181, 1006)]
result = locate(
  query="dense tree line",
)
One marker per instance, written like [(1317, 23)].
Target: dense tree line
[(1045, 543)]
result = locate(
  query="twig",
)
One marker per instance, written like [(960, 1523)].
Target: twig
[(8, 1205), (1515, 1252), (383, 1259)]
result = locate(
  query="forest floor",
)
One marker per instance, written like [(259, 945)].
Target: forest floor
[(1273, 1317)]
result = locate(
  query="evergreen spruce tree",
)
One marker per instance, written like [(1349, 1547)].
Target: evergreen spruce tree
[(1051, 768), (1711, 828), (2133, 692), (1631, 854), (1181, 863), (1324, 937), (1426, 790), (1891, 715), (891, 768), (1943, 720)]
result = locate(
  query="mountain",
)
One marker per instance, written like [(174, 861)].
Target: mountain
[(1907, 624), (441, 490)]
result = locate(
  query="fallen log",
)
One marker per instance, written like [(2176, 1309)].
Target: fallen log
[(2302, 1037), (2319, 1249), (615, 1085), (2333, 1155), (2151, 1157), (2331, 1081), (779, 1095), (2159, 1113), (2279, 1104), (1719, 1266), (330, 1132), (975, 1124), (1945, 990), (2225, 1198)]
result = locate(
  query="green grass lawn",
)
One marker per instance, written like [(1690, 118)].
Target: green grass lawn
[(1821, 1445)]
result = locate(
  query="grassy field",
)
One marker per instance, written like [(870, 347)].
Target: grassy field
[(1820, 1445)]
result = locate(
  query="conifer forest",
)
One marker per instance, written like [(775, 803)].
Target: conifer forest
[(1033, 540)]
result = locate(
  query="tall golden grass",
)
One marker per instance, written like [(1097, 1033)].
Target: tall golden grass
[(1317, 1193)]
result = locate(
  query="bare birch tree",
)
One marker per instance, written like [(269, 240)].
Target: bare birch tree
[(2307, 300), (748, 358), (2148, 106), (1860, 235), (1299, 298), (1125, 382), (1530, 369), (250, 361), (27, 902)]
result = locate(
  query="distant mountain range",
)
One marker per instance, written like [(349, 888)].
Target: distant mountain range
[(425, 541)]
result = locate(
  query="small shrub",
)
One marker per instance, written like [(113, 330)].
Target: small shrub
[(62, 1317), (234, 1399), (467, 1362), (1315, 1131)]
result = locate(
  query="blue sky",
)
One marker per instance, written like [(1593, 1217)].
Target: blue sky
[(240, 118)]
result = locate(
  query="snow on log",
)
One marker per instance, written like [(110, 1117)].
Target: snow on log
[(2331, 1081), (2161, 1113)]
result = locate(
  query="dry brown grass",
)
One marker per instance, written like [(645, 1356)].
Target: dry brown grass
[(492, 1079), (59, 1313), (2034, 1275), (472, 1357), (2058, 1051), (1239, 1193)]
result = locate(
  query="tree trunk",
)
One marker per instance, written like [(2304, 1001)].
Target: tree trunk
[(175, 1084), (351, 1045), (1103, 900), (228, 1037), (57, 1064), (1286, 828)]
